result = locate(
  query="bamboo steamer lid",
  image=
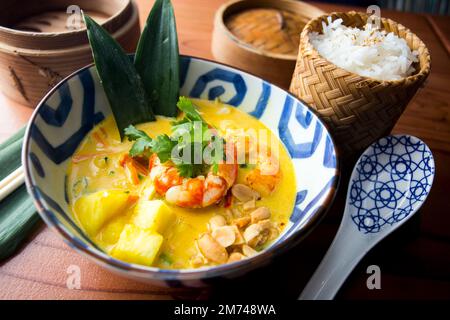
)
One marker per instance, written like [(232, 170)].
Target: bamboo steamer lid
[(261, 36), (268, 29), (38, 49)]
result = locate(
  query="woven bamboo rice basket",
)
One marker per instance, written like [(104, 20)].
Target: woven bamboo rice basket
[(357, 110)]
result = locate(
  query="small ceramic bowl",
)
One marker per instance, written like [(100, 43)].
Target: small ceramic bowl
[(78, 103)]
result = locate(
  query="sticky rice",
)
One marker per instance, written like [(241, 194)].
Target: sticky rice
[(368, 52)]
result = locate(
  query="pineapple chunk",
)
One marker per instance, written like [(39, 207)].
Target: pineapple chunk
[(96, 209), (153, 215), (147, 191), (110, 233), (138, 246)]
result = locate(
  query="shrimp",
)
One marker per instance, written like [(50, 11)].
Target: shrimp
[(197, 192), (266, 173), (265, 177)]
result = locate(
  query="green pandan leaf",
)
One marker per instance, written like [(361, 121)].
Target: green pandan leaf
[(18, 216), (157, 59), (121, 82)]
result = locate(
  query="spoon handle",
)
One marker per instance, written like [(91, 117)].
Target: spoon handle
[(341, 258)]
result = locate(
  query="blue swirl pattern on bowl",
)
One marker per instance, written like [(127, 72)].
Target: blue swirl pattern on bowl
[(78, 103)]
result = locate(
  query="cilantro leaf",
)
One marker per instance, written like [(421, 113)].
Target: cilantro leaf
[(139, 147), (185, 170), (134, 134), (180, 129), (143, 141), (163, 146), (186, 105), (191, 137)]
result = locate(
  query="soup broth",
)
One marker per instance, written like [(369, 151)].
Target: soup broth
[(97, 167)]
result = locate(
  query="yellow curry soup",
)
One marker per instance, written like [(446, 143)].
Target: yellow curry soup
[(123, 214)]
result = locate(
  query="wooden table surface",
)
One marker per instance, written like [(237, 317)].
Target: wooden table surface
[(414, 262)]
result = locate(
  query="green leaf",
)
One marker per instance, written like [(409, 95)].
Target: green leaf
[(157, 59), (187, 141), (18, 216), (187, 106), (181, 128), (140, 147), (143, 141), (162, 145), (185, 170), (165, 258), (121, 82), (134, 134)]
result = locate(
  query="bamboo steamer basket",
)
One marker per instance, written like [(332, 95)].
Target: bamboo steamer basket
[(37, 50), (233, 50), (357, 110)]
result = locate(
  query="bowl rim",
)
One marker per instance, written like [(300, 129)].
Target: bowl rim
[(153, 273)]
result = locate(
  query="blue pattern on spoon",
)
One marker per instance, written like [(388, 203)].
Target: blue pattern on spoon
[(398, 180), (389, 183)]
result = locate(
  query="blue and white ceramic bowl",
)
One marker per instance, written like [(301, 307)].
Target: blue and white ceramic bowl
[(78, 103)]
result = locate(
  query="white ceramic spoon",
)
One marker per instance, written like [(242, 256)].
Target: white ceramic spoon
[(389, 183)]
